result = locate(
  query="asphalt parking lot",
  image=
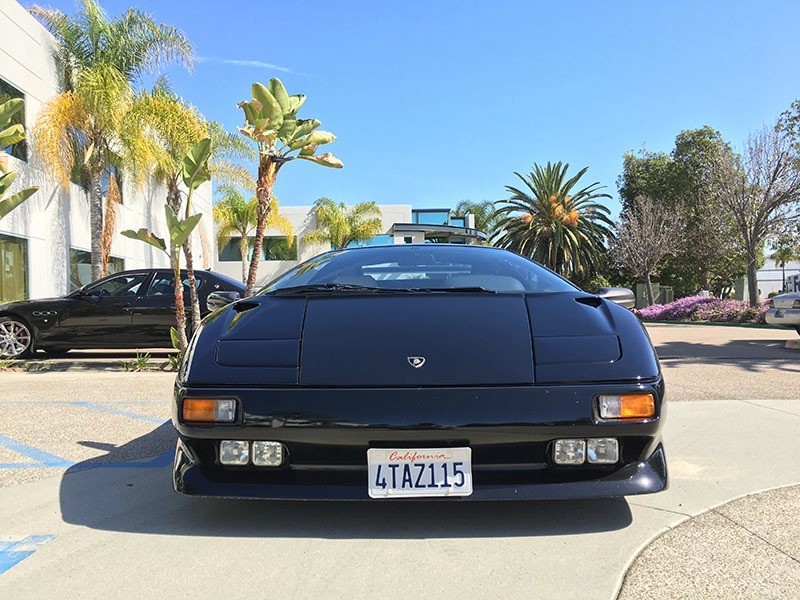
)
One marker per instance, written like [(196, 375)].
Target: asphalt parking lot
[(86, 508)]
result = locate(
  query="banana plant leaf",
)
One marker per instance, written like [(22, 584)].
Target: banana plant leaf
[(12, 135), (270, 109), (9, 108), (279, 93), (195, 164), (13, 201), (326, 160), (147, 237), (179, 231)]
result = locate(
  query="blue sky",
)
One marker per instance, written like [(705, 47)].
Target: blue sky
[(436, 102)]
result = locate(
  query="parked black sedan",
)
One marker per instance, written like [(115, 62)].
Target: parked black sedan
[(130, 309), (420, 371)]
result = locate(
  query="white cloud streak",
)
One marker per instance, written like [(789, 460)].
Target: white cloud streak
[(258, 64)]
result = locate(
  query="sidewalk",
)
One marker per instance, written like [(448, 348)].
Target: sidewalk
[(747, 548)]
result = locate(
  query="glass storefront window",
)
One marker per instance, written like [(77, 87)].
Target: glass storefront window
[(13, 268), (80, 267), (272, 248)]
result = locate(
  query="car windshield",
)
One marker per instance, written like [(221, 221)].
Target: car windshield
[(419, 268)]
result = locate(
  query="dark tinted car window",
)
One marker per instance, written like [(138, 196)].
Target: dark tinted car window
[(162, 284), (123, 285), (424, 267)]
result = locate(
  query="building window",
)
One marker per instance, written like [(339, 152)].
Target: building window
[(378, 240), (408, 239), (431, 217), (458, 222), (9, 92), (80, 267), (13, 268), (272, 248)]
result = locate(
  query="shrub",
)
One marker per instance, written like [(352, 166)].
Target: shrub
[(703, 308)]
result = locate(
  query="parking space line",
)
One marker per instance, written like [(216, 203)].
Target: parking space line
[(122, 413), (12, 553), (44, 459)]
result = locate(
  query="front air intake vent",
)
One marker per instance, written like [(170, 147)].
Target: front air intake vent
[(594, 301)]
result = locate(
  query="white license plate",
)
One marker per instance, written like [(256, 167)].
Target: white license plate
[(419, 472)]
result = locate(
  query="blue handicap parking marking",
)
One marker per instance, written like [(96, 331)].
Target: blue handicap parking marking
[(116, 411), (12, 553), (39, 457)]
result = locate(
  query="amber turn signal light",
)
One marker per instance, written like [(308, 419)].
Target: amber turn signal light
[(208, 410), (627, 406)]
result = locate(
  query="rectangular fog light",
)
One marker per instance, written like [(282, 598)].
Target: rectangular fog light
[(208, 410), (602, 451), (234, 452), (569, 452), (267, 454), (627, 406)]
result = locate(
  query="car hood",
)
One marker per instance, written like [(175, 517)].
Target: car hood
[(421, 340)]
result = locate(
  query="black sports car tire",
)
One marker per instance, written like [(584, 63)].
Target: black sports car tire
[(16, 338)]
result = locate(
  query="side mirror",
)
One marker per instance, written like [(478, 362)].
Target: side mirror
[(217, 300), (622, 296)]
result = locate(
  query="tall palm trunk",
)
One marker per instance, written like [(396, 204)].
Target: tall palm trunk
[(96, 217), (267, 172), (243, 244)]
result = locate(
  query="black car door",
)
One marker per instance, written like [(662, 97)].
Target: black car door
[(154, 311), (99, 316)]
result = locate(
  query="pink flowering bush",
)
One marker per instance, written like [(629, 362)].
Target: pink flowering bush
[(703, 308)]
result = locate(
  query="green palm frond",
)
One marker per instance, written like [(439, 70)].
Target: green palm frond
[(545, 220)]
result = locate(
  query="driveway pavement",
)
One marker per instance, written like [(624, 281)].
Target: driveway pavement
[(96, 516)]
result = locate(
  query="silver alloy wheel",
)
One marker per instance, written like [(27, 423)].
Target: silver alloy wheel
[(15, 339)]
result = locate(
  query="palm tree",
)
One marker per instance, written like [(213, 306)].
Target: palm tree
[(564, 230), (339, 225), (484, 212), (235, 215), (172, 127), (101, 59)]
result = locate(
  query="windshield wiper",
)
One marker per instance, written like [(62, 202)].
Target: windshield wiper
[(325, 288), (450, 290)]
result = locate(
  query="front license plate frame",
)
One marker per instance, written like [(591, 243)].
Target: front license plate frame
[(419, 472)]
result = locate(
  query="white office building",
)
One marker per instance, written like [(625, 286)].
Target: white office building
[(44, 244)]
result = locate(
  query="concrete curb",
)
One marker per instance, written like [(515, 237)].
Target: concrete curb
[(712, 323), (669, 528)]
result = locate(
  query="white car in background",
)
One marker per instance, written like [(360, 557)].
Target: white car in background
[(785, 310)]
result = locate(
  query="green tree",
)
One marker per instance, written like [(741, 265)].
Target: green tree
[(10, 133), (564, 229), (339, 225), (485, 215), (101, 59), (271, 122), (681, 180), (173, 127), (237, 216), (195, 173)]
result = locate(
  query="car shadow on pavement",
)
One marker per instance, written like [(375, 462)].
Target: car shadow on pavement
[(749, 355), (104, 494)]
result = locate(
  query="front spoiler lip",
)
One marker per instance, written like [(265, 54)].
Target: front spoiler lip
[(646, 477)]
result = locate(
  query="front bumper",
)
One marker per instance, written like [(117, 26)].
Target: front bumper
[(327, 432), (790, 317)]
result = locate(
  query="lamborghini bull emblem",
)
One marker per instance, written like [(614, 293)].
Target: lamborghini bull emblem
[(416, 361)]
